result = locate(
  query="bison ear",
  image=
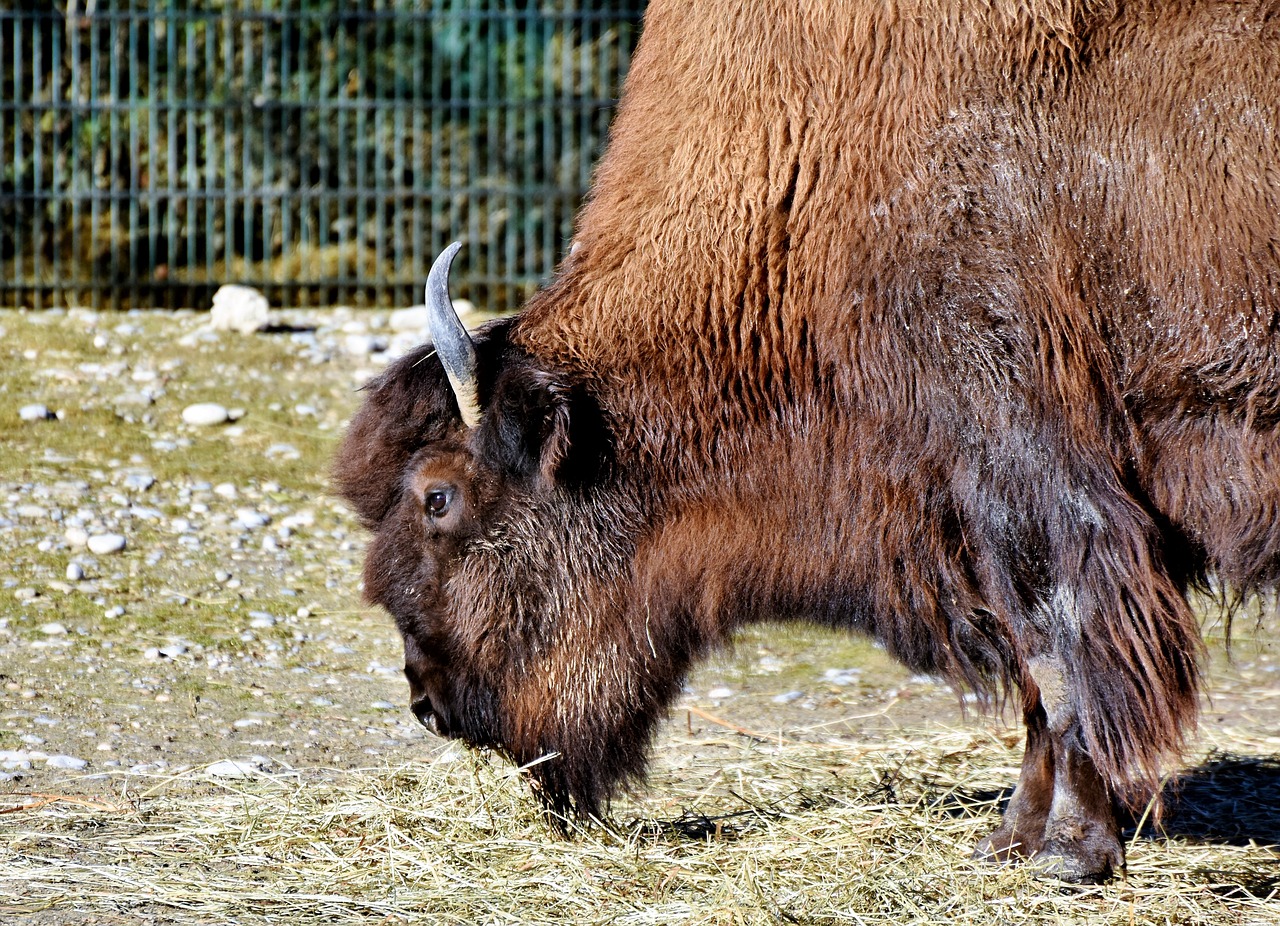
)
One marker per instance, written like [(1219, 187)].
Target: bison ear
[(538, 428)]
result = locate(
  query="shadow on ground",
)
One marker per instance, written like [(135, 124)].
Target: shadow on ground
[(1228, 799)]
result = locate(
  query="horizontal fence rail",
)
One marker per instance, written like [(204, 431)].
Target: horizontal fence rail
[(152, 150)]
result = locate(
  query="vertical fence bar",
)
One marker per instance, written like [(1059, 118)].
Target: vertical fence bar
[(74, 174), (248, 190), (435, 145), (286, 203), (55, 213), (8, 46), (478, 201), (296, 97), (228, 214), (37, 231), (263, 100), (211, 89), (151, 177), (416, 216), (171, 190), (135, 154), (93, 111), (362, 148), (191, 171), (491, 201), (18, 133), (324, 167), (265, 182), (111, 167), (396, 202), (378, 153), (344, 202)]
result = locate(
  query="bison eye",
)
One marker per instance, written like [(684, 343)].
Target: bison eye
[(437, 502)]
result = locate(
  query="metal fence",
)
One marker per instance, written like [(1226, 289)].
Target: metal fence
[(321, 150)]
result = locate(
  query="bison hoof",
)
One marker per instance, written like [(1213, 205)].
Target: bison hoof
[(1006, 845), (1091, 860)]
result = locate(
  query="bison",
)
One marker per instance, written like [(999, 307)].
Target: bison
[(950, 322)]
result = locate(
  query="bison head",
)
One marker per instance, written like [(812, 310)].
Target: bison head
[(503, 545)]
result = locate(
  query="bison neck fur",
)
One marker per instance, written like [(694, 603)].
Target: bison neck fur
[(957, 324)]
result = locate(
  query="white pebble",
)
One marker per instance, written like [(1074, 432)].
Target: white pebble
[(788, 697), (205, 414), (103, 544), (139, 482), (250, 519), (16, 760), (34, 412), (69, 763), (226, 490), (384, 706), (76, 536), (411, 319), (54, 630), (360, 345), (75, 572), (842, 677), (282, 451), (717, 694), (239, 308), (239, 768)]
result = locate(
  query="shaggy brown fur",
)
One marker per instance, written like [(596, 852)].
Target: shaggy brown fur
[(954, 322)]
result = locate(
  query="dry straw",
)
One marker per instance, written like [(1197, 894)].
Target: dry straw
[(730, 830)]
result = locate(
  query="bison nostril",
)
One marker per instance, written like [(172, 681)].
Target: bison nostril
[(427, 716)]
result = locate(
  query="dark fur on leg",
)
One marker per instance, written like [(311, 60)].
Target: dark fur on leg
[(1021, 833)]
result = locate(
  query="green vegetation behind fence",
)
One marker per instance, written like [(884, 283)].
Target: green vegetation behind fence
[(322, 150)]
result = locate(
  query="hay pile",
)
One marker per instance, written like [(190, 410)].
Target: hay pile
[(732, 830)]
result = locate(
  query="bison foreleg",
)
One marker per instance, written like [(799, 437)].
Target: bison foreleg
[(1022, 831), (1062, 815), (1081, 834)]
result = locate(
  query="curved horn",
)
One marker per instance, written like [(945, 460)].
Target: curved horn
[(453, 344)]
